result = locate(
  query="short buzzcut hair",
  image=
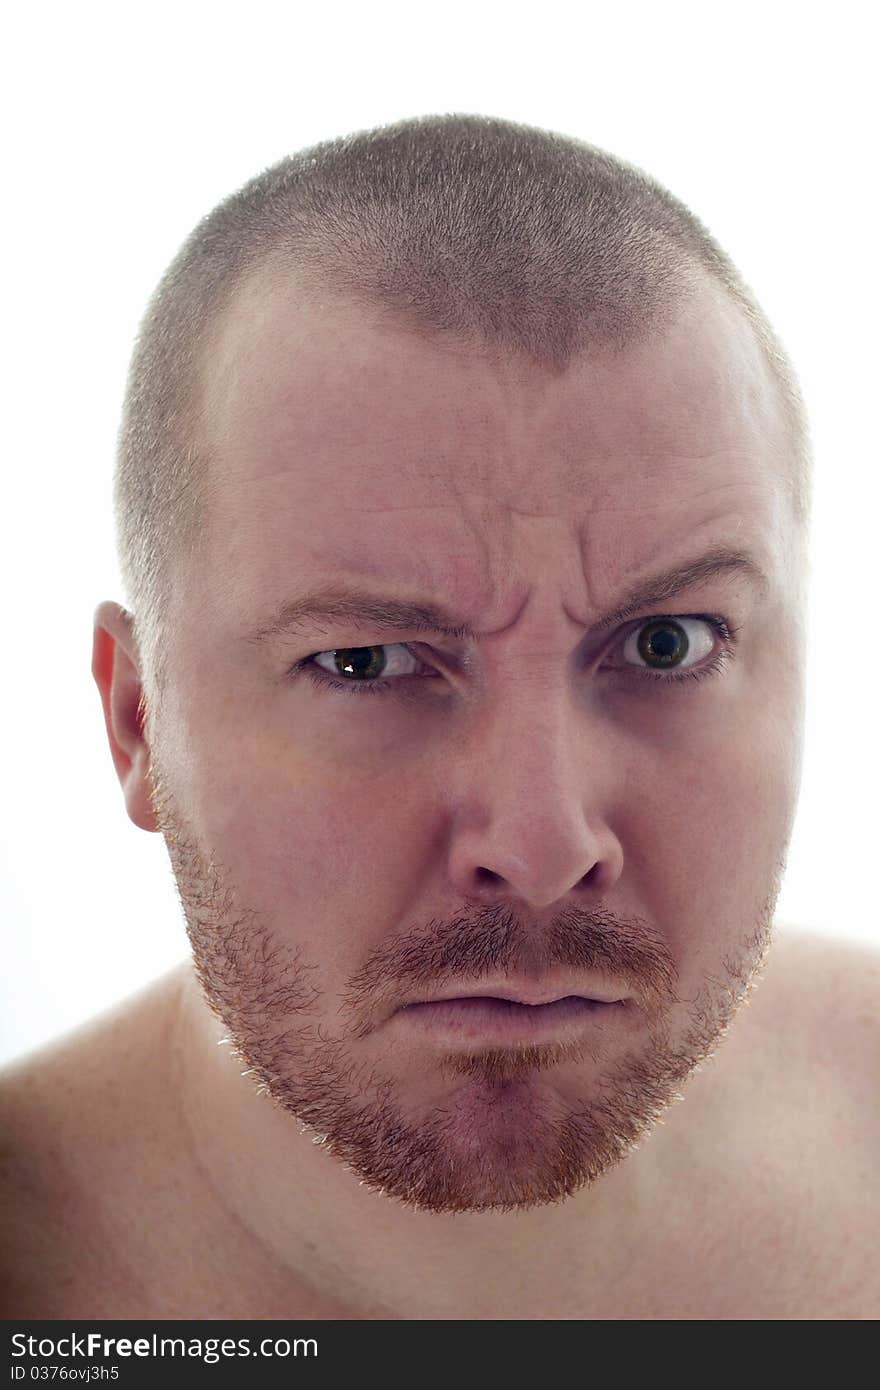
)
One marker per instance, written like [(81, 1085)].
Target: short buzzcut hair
[(530, 241)]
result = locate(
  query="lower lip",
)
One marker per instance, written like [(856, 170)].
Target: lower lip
[(485, 1020)]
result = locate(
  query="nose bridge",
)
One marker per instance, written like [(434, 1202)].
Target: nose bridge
[(537, 737)]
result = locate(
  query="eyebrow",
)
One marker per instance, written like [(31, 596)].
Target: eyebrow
[(341, 603)]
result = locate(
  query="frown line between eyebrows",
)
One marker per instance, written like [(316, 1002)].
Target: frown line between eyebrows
[(352, 607)]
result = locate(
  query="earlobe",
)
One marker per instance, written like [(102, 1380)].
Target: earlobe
[(115, 668), (136, 788)]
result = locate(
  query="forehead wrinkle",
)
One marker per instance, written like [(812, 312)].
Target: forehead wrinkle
[(348, 605)]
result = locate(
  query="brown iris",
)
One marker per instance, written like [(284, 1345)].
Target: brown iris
[(352, 661), (663, 643)]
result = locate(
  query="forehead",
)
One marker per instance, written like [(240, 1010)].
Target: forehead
[(337, 436)]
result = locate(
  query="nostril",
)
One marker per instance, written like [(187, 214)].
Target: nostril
[(488, 876)]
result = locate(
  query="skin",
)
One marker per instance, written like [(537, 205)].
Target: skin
[(536, 809)]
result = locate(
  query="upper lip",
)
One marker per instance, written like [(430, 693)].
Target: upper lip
[(525, 993)]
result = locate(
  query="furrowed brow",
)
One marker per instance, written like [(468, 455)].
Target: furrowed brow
[(356, 609), (720, 562)]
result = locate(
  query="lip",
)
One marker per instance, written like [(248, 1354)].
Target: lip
[(525, 993), (493, 1018)]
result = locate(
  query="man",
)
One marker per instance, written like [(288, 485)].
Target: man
[(486, 1016)]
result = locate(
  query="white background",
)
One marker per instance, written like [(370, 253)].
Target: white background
[(124, 125)]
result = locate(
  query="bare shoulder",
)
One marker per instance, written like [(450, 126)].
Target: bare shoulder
[(806, 1063), (26, 1123), (811, 1039), (821, 995), (845, 962), (71, 1113), (37, 1185)]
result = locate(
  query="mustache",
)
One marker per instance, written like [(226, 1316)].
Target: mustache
[(495, 942)]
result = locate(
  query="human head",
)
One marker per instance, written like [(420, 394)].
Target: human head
[(530, 809)]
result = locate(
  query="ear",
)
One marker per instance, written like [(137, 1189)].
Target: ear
[(116, 669)]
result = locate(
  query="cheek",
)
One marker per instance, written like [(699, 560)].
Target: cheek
[(707, 851), (326, 860)]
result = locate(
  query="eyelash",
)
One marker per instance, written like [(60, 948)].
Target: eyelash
[(714, 666)]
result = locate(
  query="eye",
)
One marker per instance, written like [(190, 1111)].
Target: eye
[(675, 645), (362, 667), (659, 650)]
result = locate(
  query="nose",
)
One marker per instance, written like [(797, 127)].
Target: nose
[(528, 817)]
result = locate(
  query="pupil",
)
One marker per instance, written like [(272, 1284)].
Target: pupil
[(664, 643)]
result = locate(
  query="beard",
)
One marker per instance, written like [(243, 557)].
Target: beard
[(484, 1129)]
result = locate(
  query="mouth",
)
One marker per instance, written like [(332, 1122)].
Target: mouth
[(516, 992), (500, 1019)]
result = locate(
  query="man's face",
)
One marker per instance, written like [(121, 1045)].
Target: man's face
[(545, 806)]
